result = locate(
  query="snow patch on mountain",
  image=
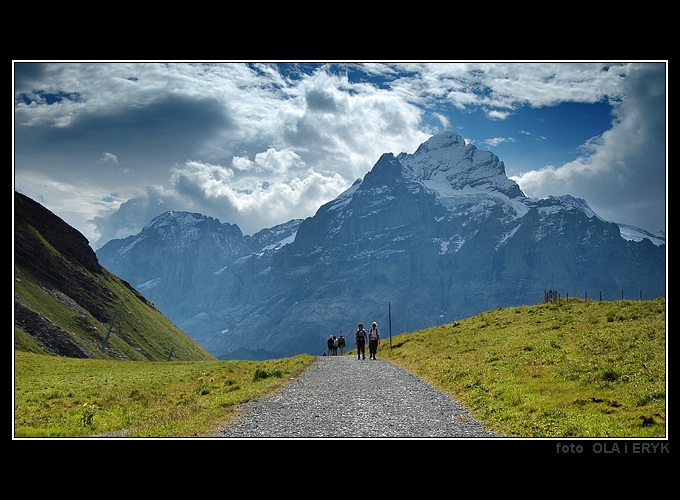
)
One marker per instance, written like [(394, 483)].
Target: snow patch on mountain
[(124, 249), (633, 233), (147, 285)]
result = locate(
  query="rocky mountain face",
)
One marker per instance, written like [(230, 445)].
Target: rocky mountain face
[(423, 239)]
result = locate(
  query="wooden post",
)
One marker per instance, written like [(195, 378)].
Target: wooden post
[(389, 315)]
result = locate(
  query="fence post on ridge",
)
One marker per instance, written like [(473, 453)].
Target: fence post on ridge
[(389, 316)]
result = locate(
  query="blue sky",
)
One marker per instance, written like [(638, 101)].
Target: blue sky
[(109, 145)]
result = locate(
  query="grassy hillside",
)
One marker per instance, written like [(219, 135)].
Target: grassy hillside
[(570, 369), (136, 330), (67, 304)]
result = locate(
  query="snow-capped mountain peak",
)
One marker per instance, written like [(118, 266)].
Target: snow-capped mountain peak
[(445, 163)]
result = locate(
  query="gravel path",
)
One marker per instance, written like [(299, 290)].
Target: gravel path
[(343, 397)]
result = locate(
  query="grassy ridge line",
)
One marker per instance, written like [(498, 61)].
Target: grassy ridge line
[(571, 369)]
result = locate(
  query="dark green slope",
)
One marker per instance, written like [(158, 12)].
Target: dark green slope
[(67, 304)]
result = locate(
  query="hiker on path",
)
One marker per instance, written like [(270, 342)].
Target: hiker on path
[(373, 340), (329, 343), (361, 341), (335, 345), (341, 344)]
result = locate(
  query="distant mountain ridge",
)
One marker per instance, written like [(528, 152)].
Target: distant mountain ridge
[(432, 237)]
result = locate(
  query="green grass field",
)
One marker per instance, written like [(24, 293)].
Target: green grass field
[(571, 369), (67, 397)]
